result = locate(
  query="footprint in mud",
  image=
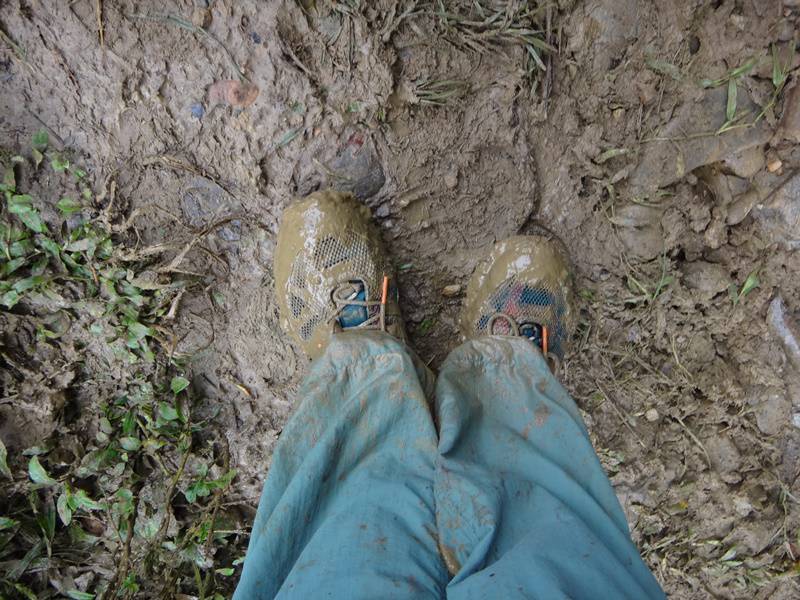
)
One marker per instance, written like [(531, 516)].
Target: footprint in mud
[(204, 203)]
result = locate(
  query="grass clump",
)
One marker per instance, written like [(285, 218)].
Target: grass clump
[(111, 482), (440, 92), (489, 25)]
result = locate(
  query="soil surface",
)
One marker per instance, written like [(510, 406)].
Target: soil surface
[(205, 119)]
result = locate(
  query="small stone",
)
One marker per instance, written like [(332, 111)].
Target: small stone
[(790, 120), (746, 163), (357, 167), (651, 415), (716, 234), (201, 18), (773, 413), (783, 326), (708, 279), (741, 207), (742, 506), (779, 214), (451, 291), (774, 165), (796, 420), (451, 179), (725, 457)]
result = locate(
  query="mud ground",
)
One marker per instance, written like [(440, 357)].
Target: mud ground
[(692, 401)]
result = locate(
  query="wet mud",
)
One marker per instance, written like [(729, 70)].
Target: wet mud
[(667, 201)]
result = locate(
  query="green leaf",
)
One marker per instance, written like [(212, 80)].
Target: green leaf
[(64, 511), (167, 412), (131, 444), (38, 474), (199, 489), (730, 111), (224, 481), (35, 451), (9, 180), (59, 163), (6, 523), (38, 157), (20, 200), (178, 384), (137, 331), (82, 500), (750, 284), (288, 137), (50, 247), (226, 572), (218, 298), (23, 285), (40, 140), (664, 68), (729, 555), (106, 426), (20, 205), (4, 470), (777, 72), (25, 591), (745, 68), (130, 584), (68, 206), (78, 595), (9, 299), (609, 154), (46, 519)]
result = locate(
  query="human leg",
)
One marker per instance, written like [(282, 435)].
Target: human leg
[(524, 508), (347, 508)]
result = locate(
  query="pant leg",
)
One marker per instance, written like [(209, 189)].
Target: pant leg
[(524, 508), (347, 507)]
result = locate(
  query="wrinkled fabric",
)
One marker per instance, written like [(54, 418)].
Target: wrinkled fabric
[(364, 499)]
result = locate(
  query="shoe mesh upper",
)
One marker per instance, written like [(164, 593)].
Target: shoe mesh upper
[(527, 303), (316, 272)]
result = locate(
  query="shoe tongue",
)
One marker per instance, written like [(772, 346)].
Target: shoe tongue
[(353, 315), (534, 332)]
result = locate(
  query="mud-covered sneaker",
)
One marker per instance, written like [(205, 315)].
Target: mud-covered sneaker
[(331, 272), (523, 288)]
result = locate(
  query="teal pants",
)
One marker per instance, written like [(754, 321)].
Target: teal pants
[(494, 491)]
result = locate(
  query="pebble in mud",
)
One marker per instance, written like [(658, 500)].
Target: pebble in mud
[(790, 120), (707, 279), (725, 457), (773, 413), (356, 168), (450, 291), (746, 163)]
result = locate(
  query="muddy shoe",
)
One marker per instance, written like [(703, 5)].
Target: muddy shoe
[(331, 272), (523, 288)]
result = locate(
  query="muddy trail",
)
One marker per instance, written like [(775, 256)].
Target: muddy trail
[(659, 142)]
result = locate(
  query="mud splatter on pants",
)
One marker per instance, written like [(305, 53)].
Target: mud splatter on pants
[(365, 500)]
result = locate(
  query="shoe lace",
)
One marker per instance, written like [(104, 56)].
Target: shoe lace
[(346, 294), (535, 332)]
